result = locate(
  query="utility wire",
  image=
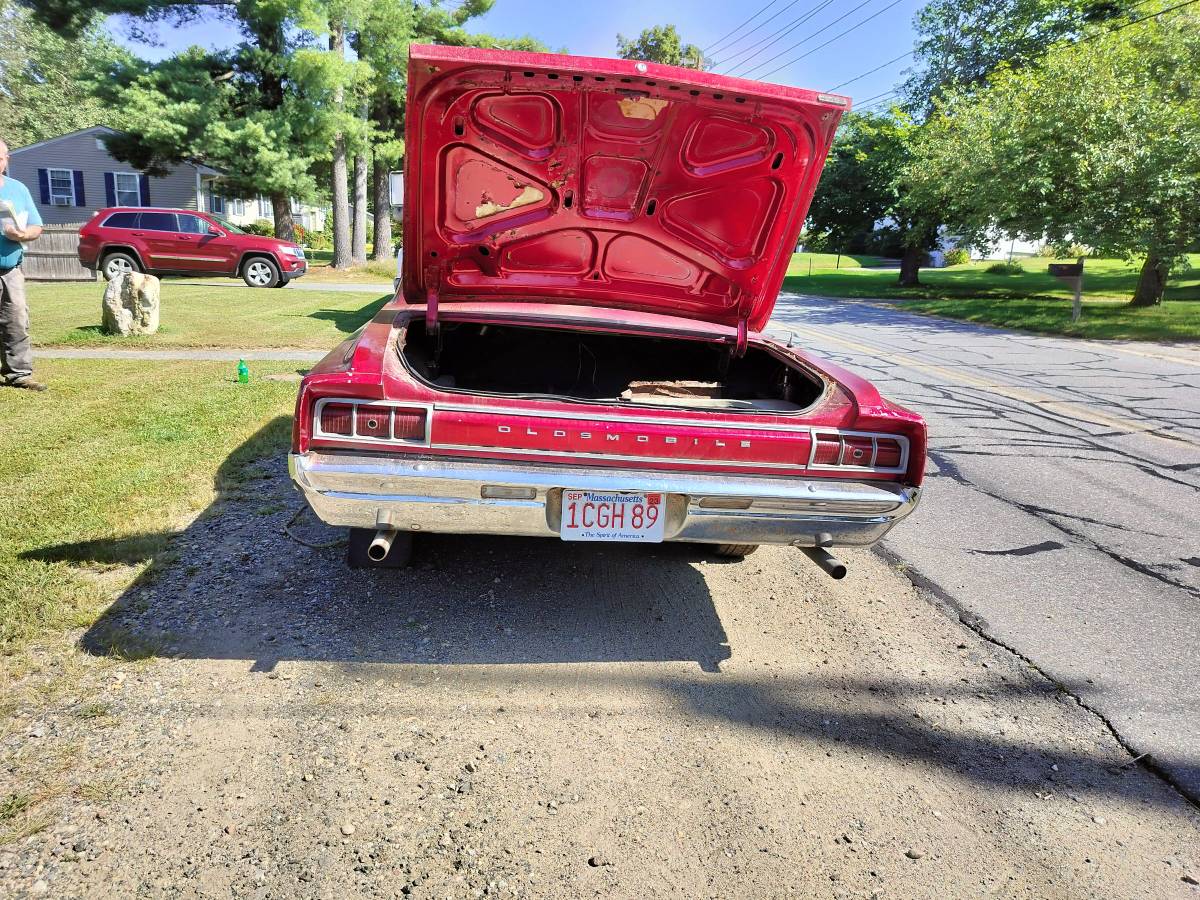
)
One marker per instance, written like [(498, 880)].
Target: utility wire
[(740, 27), (763, 43), (771, 18), (836, 37), (805, 40), (1142, 19), (874, 70)]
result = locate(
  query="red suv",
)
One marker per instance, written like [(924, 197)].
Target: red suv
[(184, 242)]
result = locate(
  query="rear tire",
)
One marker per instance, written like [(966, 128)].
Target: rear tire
[(735, 551), (360, 539), (118, 263), (260, 272)]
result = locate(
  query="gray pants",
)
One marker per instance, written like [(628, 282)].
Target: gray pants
[(16, 354)]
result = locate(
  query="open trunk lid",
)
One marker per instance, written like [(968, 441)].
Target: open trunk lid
[(607, 183)]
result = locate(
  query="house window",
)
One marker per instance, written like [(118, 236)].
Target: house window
[(216, 204), (126, 187), (264, 207), (237, 207), (62, 187), (295, 207)]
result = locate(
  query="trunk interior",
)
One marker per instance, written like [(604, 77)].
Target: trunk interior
[(642, 370)]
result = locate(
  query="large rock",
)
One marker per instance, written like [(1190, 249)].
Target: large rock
[(131, 304)]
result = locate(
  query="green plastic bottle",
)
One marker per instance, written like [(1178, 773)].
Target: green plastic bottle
[(243, 372)]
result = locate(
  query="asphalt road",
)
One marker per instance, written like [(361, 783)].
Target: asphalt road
[(1061, 514)]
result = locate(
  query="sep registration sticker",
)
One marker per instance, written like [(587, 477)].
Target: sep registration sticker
[(598, 516)]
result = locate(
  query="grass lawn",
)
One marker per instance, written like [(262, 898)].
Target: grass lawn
[(801, 262), (1031, 300), (101, 470), (68, 315), (319, 270)]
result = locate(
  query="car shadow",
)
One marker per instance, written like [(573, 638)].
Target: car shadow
[(258, 577)]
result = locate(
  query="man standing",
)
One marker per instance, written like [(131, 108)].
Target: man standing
[(20, 223)]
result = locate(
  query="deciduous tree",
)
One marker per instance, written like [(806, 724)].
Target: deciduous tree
[(661, 44), (865, 183), (1098, 143)]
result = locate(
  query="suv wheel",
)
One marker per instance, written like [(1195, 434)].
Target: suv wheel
[(260, 272), (119, 264)]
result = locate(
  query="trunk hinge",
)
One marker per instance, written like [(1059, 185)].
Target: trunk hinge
[(431, 311), (743, 338)]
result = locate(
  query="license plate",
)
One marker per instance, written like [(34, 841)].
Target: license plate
[(600, 516)]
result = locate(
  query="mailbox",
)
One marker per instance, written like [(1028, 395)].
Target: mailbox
[(1067, 270)]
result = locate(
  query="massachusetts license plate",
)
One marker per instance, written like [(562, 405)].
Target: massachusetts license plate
[(599, 516)]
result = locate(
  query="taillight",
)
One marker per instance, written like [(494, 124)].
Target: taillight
[(410, 425), (336, 418), (889, 454), (374, 421), (857, 451), (829, 449), (379, 423)]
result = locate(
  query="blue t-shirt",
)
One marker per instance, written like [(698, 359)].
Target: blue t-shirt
[(18, 195)]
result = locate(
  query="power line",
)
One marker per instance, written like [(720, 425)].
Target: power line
[(825, 27), (874, 70), (771, 18), (1142, 19), (762, 44), (740, 27), (837, 37)]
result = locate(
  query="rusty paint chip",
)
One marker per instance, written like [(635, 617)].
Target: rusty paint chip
[(641, 107)]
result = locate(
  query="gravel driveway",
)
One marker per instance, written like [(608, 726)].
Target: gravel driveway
[(526, 718)]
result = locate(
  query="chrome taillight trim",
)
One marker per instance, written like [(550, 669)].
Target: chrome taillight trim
[(838, 435), (318, 434)]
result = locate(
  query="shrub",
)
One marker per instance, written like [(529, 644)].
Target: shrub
[(301, 233), (262, 227), (1004, 268), (957, 257)]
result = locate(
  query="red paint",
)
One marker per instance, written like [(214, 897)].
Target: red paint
[(586, 181)]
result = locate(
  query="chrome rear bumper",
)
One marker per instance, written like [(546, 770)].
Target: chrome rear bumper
[(447, 496)]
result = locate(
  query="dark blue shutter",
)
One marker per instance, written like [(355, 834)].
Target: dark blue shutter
[(80, 199), (44, 185), (110, 189), (144, 189)]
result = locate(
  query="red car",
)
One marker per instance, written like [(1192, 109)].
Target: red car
[(592, 250), (184, 242)]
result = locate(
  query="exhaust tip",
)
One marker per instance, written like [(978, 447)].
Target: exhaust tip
[(379, 548), (828, 563)]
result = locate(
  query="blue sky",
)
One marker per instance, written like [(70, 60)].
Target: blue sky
[(590, 29)]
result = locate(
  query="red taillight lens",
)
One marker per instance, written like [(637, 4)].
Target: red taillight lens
[(829, 449), (336, 418), (857, 451), (374, 421), (889, 454), (410, 424)]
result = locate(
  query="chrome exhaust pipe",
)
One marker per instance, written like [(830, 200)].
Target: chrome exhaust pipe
[(830, 564), (381, 546)]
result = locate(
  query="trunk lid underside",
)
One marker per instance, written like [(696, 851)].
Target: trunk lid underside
[(606, 183)]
